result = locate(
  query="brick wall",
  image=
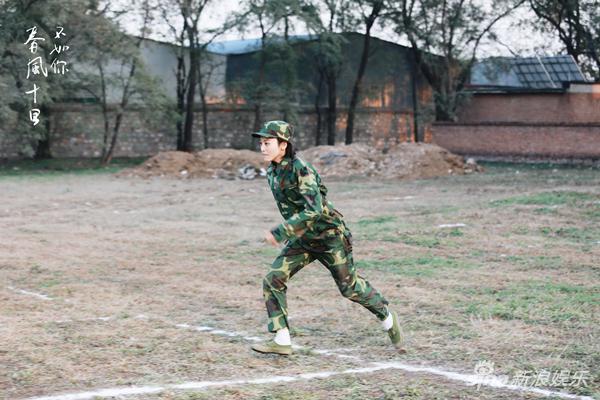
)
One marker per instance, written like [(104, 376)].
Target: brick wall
[(554, 125), (533, 107), (77, 131), (509, 140)]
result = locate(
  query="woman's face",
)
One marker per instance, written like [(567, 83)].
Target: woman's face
[(272, 150)]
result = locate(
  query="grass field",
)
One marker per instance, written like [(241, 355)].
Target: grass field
[(155, 286)]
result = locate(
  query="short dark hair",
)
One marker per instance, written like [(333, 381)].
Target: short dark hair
[(289, 150)]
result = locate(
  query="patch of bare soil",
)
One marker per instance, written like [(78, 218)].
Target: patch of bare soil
[(406, 161), (210, 163)]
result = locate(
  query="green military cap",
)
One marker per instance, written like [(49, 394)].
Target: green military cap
[(276, 129)]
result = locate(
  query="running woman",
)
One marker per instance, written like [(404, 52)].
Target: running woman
[(313, 230)]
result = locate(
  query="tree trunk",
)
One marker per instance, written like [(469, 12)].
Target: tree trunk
[(106, 129), (357, 85), (205, 122), (202, 91), (121, 110), (257, 117), (189, 106), (318, 109), (180, 100), (332, 108), (415, 99), (113, 142), (261, 78), (42, 149)]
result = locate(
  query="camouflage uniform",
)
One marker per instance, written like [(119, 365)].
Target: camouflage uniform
[(312, 230)]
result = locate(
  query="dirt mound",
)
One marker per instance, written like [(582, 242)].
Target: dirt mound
[(406, 161), (210, 163)]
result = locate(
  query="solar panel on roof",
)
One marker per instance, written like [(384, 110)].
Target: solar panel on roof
[(533, 72)]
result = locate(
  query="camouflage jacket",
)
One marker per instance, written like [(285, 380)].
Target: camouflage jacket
[(301, 199)]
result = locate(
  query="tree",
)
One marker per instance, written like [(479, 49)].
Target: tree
[(444, 36), (16, 18), (189, 37), (375, 9), (205, 78), (330, 61), (114, 73), (102, 61), (262, 13), (276, 58), (577, 25), (286, 12), (183, 19)]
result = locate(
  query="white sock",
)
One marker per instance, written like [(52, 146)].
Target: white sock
[(387, 322), (282, 337)]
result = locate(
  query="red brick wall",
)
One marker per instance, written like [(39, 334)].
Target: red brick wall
[(530, 107), (530, 125), (580, 141)]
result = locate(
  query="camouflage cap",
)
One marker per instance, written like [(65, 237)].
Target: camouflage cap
[(276, 129)]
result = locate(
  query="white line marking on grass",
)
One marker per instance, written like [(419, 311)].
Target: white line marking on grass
[(220, 332), (469, 379), (65, 321), (472, 380), (330, 353), (459, 225), (111, 392), (28, 293), (201, 385)]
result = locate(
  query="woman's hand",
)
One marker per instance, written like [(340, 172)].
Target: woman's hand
[(269, 238)]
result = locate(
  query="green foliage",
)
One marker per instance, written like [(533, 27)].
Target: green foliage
[(534, 301), (586, 235), (420, 266), (415, 239), (16, 17), (387, 228), (98, 59), (377, 220), (376, 228), (536, 262), (554, 198)]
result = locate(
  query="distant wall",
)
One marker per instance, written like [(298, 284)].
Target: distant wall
[(526, 125), (560, 108), (77, 131), (562, 141)]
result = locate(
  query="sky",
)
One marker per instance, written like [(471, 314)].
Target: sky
[(512, 38)]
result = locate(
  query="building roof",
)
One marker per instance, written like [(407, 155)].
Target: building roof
[(538, 73), (243, 46)]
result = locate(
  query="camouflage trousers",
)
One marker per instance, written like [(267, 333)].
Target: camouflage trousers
[(334, 251)]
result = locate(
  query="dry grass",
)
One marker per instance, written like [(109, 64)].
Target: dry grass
[(518, 285)]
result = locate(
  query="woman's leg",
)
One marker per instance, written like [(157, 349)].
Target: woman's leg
[(291, 260), (338, 260)]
